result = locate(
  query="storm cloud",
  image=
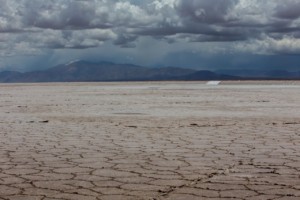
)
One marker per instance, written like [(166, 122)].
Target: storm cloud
[(33, 27)]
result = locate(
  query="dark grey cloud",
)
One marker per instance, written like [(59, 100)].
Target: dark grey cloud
[(223, 20), (288, 10), (54, 15), (33, 27), (203, 11), (226, 21)]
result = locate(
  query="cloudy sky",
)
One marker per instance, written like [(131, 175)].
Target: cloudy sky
[(204, 34)]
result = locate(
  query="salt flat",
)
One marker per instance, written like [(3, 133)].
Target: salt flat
[(156, 140)]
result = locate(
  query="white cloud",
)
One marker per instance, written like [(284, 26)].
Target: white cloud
[(268, 45), (37, 25)]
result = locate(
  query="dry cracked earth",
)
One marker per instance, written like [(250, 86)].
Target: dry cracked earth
[(150, 141)]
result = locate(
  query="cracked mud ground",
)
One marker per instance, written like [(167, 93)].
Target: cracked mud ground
[(149, 141)]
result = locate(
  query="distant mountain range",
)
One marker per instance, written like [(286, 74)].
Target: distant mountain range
[(262, 74), (83, 71)]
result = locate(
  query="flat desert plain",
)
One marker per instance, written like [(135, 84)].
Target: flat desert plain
[(156, 140)]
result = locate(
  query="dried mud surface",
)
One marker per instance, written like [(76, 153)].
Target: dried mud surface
[(159, 141)]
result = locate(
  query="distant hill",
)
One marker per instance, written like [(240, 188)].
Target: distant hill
[(7, 76), (206, 76), (262, 74), (83, 71)]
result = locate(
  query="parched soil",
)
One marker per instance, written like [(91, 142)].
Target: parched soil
[(163, 140)]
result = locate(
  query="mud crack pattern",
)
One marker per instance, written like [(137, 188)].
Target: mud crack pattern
[(149, 141)]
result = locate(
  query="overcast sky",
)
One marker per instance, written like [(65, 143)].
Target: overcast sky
[(205, 34)]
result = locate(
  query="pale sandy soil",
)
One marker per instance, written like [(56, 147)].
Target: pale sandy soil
[(150, 141)]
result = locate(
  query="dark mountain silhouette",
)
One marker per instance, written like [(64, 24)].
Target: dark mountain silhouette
[(103, 71), (207, 75), (83, 71), (7, 76), (262, 74)]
